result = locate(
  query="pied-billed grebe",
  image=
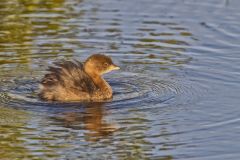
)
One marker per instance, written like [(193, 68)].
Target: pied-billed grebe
[(76, 81)]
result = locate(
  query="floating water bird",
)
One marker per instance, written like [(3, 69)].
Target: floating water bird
[(76, 81)]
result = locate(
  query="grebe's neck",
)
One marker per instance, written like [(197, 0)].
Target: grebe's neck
[(102, 84), (98, 80)]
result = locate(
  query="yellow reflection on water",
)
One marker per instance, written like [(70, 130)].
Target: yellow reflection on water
[(23, 25), (93, 120), (12, 124)]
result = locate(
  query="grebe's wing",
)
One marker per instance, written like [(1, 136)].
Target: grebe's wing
[(69, 74)]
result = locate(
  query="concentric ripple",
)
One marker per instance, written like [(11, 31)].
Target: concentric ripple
[(128, 91), (175, 97), (143, 90)]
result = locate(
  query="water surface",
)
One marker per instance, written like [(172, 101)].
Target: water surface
[(175, 97)]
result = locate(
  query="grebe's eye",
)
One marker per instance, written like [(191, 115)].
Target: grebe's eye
[(105, 64)]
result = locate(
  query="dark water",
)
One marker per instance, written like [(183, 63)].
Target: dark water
[(176, 96)]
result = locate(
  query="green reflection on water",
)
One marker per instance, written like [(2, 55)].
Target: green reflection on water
[(12, 124), (19, 141), (31, 30), (24, 23)]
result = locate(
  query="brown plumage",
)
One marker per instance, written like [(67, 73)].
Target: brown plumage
[(76, 81)]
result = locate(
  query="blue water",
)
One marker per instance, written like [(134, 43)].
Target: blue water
[(175, 97)]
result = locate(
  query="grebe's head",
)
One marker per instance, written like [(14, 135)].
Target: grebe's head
[(99, 64)]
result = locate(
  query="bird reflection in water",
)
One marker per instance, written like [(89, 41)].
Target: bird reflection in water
[(92, 119)]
